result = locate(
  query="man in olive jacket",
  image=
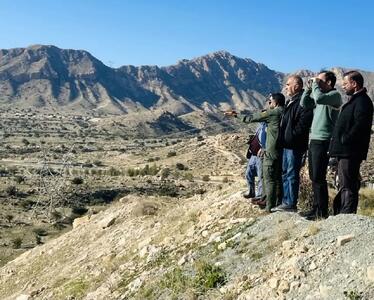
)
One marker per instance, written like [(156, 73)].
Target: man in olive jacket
[(350, 141), (272, 164)]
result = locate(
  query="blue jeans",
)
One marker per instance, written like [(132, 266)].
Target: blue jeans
[(254, 168), (291, 176)]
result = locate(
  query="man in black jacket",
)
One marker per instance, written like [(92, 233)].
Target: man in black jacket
[(293, 138), (350, 141)]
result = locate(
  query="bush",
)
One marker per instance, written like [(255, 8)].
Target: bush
[(40, 231), (11, 190), (79, 210), (165, 173), (25, 142), (171, 154), (19, 179), (188, 176), (17, 242), (114, 172), (168, 189), (77, 180), (208, 276), (181, 166)]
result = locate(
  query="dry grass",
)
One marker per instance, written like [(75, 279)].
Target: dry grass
[(366, 202)]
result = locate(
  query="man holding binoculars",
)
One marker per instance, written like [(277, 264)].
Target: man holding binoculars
[(325, 100)]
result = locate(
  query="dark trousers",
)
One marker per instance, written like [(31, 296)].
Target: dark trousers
[(318, 162), (272, 172), (349, 185)]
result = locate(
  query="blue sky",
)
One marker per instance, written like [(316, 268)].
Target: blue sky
[(285, 35)]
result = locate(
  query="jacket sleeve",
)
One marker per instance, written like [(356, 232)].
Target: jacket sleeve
[(307, 101), (332, 98), (257, 117), (304, 121), (362, 118)]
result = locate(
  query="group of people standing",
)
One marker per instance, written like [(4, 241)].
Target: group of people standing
[(315, 121)]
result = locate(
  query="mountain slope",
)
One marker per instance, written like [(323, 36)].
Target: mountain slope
[(46, 76)]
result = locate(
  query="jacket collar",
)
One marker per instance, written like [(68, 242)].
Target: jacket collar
[(294, 98), (355, 95)]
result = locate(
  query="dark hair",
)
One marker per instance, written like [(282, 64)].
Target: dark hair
[(278, 98), (356, 77), (329, 76)]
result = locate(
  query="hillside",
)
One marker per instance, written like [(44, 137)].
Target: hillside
[(216, 246)]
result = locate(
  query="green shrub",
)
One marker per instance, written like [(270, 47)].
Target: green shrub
[(208, 276)]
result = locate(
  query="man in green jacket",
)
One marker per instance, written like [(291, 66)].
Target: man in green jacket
[(325, 101), (272, 164)]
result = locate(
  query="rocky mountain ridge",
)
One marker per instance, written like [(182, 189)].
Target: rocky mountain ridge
[(47, 76)]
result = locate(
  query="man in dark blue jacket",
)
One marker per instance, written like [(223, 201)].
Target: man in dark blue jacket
[(350, 141), (293, 138)]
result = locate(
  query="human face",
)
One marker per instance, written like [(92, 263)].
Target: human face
[(292, 87), (349, 86), (271, 103), (323, 84)]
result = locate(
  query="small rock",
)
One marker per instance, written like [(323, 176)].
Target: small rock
[(222, 246), (191, 231), (273, 282), (235, 237), (341, 240), (205, 233), (284, 286), (294, 285), (107, 222), (370, 273), (287, 245), (325, 291), (239, 220), (182, 261), (143, 252), (135, 285), (312, 266), (216, 237), (80, 221)]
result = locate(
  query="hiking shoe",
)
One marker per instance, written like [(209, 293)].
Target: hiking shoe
[(261, 204), (307, 213), (254, 200), (285, 207), (248, 195), (315, 217)]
